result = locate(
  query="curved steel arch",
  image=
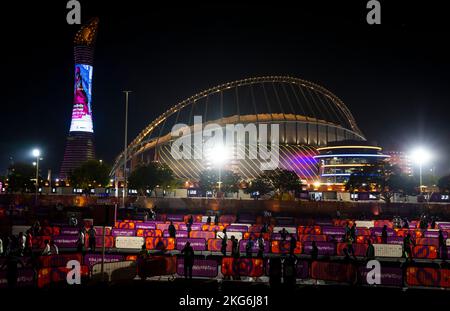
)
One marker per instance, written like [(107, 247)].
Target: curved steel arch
[(243, 82)]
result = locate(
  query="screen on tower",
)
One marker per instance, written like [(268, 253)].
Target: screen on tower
[(82, 113)]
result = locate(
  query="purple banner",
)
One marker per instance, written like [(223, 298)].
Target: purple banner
[(178, 234), (302, 269), (333, 230), (444, 225), (435, 234), (69, 231), (202, 267), (66, 241), (255, 248), (197, 244), (175, 217), (92, 259), (325, 248), (146, 225), (284, 221), (390, 276), (395, 240), (195, 226), (246, 219), (378, 230), (123, 232), (278, 237), (25, 278), (237, 228)]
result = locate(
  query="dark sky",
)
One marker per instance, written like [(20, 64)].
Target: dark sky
[(394, 77)]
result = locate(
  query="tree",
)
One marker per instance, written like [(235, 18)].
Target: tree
[(209, 181), (284, 180), (149, 176), (21, 177), (230, 181), (444, 184), (261, 184), (89, 175)]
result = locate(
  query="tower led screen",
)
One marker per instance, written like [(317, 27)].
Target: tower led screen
[(82, 112)]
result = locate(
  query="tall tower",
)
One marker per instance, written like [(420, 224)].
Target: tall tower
[(80, 142)]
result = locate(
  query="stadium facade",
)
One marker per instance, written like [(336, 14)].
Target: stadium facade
[(80, 141), (307, 116)]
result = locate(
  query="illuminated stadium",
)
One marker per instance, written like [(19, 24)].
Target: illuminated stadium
[(307, 114)]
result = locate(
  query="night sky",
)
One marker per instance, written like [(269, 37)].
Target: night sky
[(394, 77)]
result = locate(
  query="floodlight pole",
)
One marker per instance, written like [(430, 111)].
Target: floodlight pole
[(125, 151), (37, 181)]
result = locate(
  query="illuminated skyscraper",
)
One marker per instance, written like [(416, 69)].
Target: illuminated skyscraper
[(80, 142)]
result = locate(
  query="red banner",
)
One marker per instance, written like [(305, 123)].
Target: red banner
[(109, 241), (58, 260), (50, 230), (428, 276), (312, 237), (426, 252), (332, 271), (255, 235), (203, 235), (360, 249), (284, 247), (253, 267), (149, 232), (215, 245), (158, 243), (46, 276), (301, 230), (428, 241), (213, 228), (125, 225), (38, 241)]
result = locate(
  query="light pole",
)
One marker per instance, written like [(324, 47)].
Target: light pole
[(36, 153), (420, 156), (125, 149)]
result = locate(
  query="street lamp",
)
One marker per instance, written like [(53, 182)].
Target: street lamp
[(36, 153), (420, 156)]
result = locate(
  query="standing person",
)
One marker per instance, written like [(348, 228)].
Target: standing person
[(216, 219), (347, 230), (188, 252), (249, 247), (353, 232), (173, 231), (292, 245), (407, 246), (283, 232), (314, 251), (234, 247), (1, 247), (11, 264), (208, 220), (224, 242), (92, 239), (46, 251), (384, 235), (261, 246), (28, 243), (80, 242), (350, 249), (21, 243), (53, 248), (370, 252), (442, 246), (190, 220)]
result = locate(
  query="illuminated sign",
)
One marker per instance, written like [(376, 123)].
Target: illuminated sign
[(82, 112)]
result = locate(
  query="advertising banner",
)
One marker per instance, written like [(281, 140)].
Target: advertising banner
[(255, 235), (205, 268), (175, 217), (109, 241), (129, 242), (66, 241), (148, 232), (237, 235), (46, 276), (324, 248), (25, 278), (156, 243), (390, 276), (196, 243), (178, 234), (428, 277), (279, 237), (388, 250), (365, 223), (312, 237), (360, 249), (215, 245), (203, 234), (333, 271), (237, 228), (146, 225), (99, 230), (378, 231), (292, 230), (92, 259), (333, 230), (428, 241), (69, 231), (227, 219), (255, 248), (123, 232), (425, 252), (253, 267), (82, 113), (125, 225), (284, 247), (309, 230), (434, 234), (51, 230), (195, 226), (58, 260)]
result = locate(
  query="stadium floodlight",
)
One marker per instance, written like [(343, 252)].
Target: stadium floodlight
[(420, 156), (36, 153), (218, 155)]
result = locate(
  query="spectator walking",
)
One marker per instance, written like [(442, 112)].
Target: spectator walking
[(234, 247), (249, 247), (46, 251), (80, 241), (28, 243), (283, 232), (314, 251), (407, 246), (21, 243), (208, 220), (224, 242), (370, 251), (188, 253), (261, 246), (92, 239), (292, 244), (53, 248), (384, 235)]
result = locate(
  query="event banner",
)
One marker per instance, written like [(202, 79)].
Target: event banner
[(360, 249), (82, 113), (334, 271), (434, 234), (146, 225), (46, 276), (148, 232), (428, 241), (308, 230), (195, 226), (125, 225), (66, 241), (60, 260), (237, 228), (206, 268), (284, 247), (109, 241), (390, 276), (176, 217), (156, 243), (237, 235), (129, 242), (280, 237), (92, 259), (364, 223), (395, 240), (289, 229), (123, 232), (253, 267), (333, 230), (312, 237), (69, 231), (255, 248), (99, 230), (378, 231), (203, 234), (178, 234), (425, 252), (324, 248), (388, 250), (428, 276), (215, 245), (47, 230), (25, 278), (197, 244)]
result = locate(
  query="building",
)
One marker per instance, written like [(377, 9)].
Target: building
[(338, 161), (80, 141), (401, 160), (306, 116)]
